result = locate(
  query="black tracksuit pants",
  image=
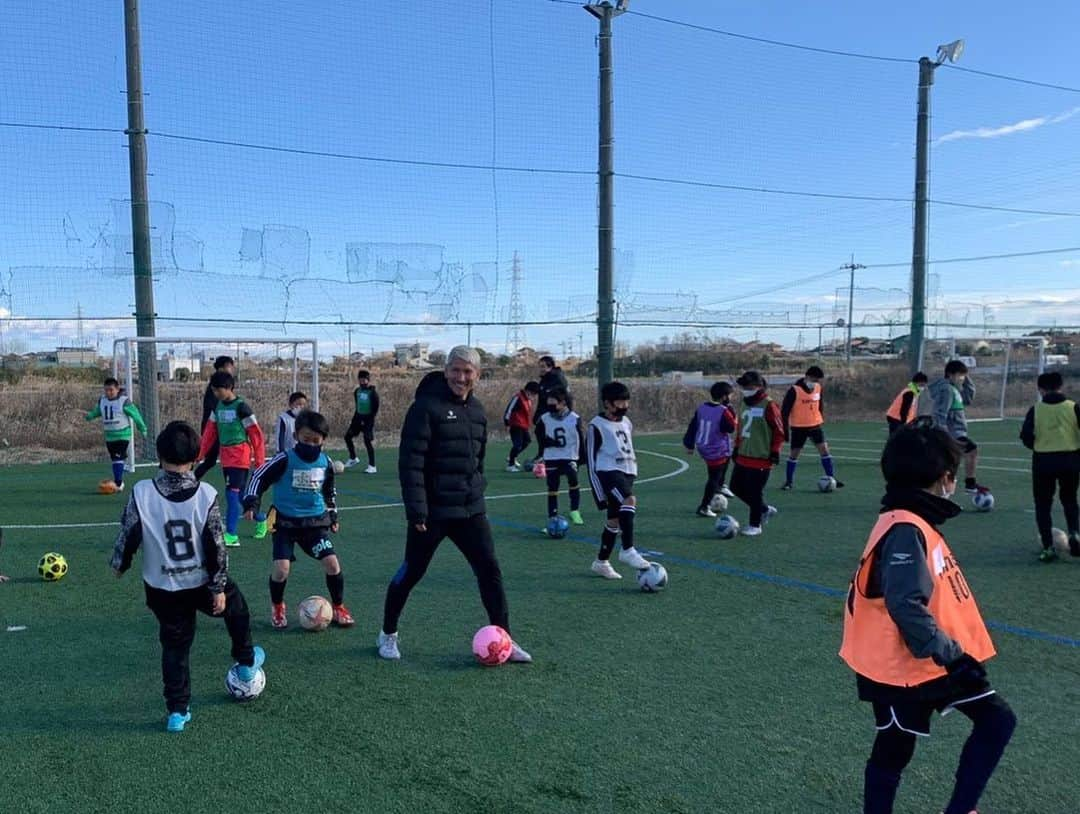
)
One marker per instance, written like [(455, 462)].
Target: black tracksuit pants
[(749, 487), (473, 538), (175, 612), (1043, 486)]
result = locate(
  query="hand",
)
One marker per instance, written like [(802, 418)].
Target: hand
[(966, 670), (774, 458), (334, 527), (249, 514), (420, 527), (218, 605)]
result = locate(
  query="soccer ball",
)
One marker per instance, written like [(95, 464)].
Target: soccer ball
[(314, 613), (1061, 540), (52, 567), (653, 578), (826, 483), (982, 501), (718, 503), (557, 527), (339, 467), (107, 487), (245, 690), (492, 645), (726, 527)]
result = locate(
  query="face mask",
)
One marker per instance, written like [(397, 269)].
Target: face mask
[(946, 492), (749, 394), (309, 452), (620, 412), (296, 411)]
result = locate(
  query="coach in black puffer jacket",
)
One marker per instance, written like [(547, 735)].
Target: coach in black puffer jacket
[(441, 467), (441, 456)]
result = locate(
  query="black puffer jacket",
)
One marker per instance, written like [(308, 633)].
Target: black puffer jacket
[(441, 455)]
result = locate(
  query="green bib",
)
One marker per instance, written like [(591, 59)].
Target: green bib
[(230, 426), (1055, 427), (754, 434)]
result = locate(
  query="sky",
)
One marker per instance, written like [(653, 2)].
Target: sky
[(384, 162)]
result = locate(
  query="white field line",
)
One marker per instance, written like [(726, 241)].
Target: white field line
[(682, 467)]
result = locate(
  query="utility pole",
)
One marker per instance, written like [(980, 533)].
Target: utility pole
[(140, 223), (852, 266), (605, 12), (348, 333), (515, 334)]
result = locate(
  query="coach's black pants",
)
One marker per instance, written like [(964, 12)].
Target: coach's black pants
[(363, 425), (1043, 486), (473, 538), (175, 612), (748, 485)]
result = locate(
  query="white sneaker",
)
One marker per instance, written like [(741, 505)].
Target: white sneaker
[(388, 648), (603, 568), (517, 654), (770, 513), (349, 464), (750, 531), (120, 487), (705, 511), (513, 468), (726, 492), (631, 557), (370, 469)]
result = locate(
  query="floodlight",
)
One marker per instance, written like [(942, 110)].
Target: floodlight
[(950, 52), (622, 5)]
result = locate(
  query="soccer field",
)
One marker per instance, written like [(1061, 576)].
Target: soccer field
[(724, 693)]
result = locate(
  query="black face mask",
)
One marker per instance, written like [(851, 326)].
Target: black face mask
[(307, 452), (620, 412)]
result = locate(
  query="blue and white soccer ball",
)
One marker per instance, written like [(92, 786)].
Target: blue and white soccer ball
[(557, 526), (653, 579), (982, 501), (726, 527), (244, 690)]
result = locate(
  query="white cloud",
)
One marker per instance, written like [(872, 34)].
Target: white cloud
[(1022, 126)]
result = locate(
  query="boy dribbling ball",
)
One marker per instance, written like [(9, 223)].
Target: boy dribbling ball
[(177, 522)]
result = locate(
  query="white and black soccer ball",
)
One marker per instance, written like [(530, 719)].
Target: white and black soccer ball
[(826, 483), (726, 527), (982, 501), (653, 579), (245, 690), (718, 503)]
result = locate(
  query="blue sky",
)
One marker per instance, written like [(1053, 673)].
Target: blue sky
[(267, 234)]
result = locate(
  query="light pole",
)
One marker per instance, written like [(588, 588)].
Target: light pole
[(945, 53), (852, 266), (605, 12)]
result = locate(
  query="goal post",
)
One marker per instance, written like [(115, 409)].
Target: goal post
[(267, 371), (1002, 368)]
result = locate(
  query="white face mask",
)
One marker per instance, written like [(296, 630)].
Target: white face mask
[(946, 492), (749, 394)]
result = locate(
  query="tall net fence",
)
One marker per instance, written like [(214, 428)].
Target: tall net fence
[(397, 174)]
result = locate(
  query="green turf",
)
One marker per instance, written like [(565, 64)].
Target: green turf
[(722, 694)]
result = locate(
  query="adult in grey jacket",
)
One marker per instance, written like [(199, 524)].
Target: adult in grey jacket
[(949, 396), (441, 469)]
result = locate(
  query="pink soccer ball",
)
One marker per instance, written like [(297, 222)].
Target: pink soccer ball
[(539, 470), (491, 645)]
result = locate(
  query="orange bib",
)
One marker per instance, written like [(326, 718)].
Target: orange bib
[(894, 408), (806, 411), (872, 645)]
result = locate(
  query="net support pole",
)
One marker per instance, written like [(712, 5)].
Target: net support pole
[(922, 183), (315, 373), (1005, 377), (129, 383), (140, 222), (295, 368)]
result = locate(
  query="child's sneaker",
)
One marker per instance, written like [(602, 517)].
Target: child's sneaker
[(839, 483), (342, 617), (976, 488), (120, 486), (750, 531), (603, 568), (726, 492), (631, 557), (705, 511), (387, 644), (277, 616), (1048, 555), (177, 721), (770, 513), (349, 464), (513, 468), (247, 672), (370, 469), (787, 487), (578, 520), (260, 529), (231, 540), (518, 654)]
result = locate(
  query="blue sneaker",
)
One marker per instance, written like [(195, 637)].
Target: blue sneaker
[(177, 721), (245, 673)]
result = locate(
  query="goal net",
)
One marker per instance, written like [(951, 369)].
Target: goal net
[(1003, 370), (267, 371)]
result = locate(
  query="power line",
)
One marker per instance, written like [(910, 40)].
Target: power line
[(977, 258), (1012, 78), (1005, 209)]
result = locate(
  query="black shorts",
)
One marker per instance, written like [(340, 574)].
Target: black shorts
[(361, 425), (617, 486), (315, 542), (914, 716), (966, 444), (117, 449), (799, 435), (565, 468)]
